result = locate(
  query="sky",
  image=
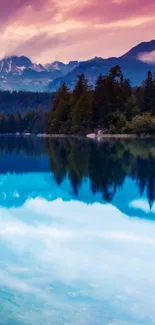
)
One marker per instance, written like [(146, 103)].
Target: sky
[(64, 30)]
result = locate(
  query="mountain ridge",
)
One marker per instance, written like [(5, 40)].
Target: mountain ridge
[(140, 48), (20, 73)]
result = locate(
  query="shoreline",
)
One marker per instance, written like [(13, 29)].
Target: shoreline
[(120, 136), (89, 136)]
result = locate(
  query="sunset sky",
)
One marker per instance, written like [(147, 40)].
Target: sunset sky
[(48, 30)]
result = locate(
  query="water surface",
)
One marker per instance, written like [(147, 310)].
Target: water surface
[(77, 232)]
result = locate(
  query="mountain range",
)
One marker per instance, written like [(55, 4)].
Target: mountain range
[(20, 73)]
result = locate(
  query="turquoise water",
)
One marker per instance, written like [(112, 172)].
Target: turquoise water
[(77, 232)]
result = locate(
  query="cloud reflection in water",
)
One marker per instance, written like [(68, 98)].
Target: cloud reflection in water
[(70, 263)]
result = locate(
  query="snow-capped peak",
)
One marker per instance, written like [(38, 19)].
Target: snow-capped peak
[(14, 64), (56, 65), (37, 67)]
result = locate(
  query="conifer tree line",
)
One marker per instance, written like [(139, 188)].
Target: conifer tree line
[(11, 102), (112, 106), (24, 111), (32, 121)]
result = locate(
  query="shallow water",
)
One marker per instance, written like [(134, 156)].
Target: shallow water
[(77, 232)]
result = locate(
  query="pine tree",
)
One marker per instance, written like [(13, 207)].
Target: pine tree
[(19, 122), (3, 122), (115, 74), (81, 102), (99, 102), (60, 112), (108, 100), (11, 125), (148, 104), (117, 89), (131, 107), (82, 114), (81, 86)]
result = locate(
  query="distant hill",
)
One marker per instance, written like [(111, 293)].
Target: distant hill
[(20, 73)]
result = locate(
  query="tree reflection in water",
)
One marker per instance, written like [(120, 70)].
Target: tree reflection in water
[(106, 164)]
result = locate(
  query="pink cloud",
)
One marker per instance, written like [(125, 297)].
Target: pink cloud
[(10, 8), (110, 10), (47, 30)]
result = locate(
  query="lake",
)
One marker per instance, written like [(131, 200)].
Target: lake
[(77, 232)]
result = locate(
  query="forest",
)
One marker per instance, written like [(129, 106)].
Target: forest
[(13, 102), (113, 106), (24, 111), (32, 121)]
